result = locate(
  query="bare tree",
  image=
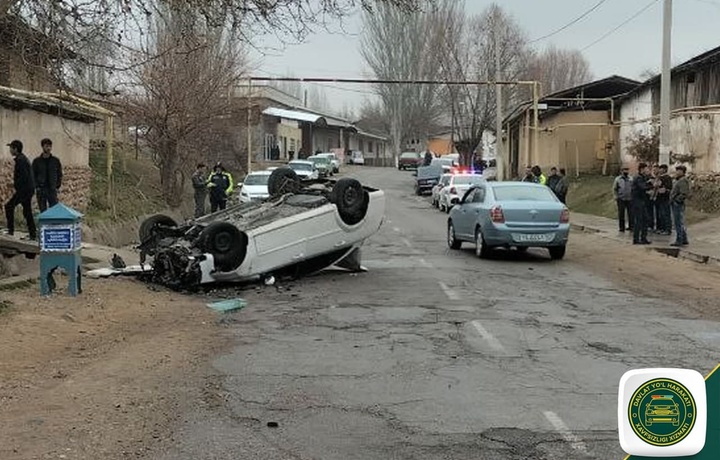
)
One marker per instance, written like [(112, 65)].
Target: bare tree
[(184, 93), (469, 54), (648, 74), (557, 69), (401, 46)]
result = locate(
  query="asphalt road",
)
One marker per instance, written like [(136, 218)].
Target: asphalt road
[(434, 354)]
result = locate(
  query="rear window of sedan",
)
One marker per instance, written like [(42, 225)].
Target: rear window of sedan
[(523, 193), (468, 180)]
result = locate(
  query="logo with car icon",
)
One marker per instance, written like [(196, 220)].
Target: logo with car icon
[(662, 412)]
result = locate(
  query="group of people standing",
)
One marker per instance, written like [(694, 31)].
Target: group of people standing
[(556, 181), (42, 179), (652, 202), (219, 183)]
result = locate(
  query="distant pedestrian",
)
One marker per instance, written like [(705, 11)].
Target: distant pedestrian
[(662, 201), (678, 196), (199, 182), (428, 158), (562, 187), (540, 178), (529, 176), (24, 185), (652, 194), (622, 191), (553, 178), (641, 187), (47, 170), (220, 184)]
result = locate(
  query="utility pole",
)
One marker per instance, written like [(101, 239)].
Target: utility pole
[(249, 127), (665, 85), (499, 158)]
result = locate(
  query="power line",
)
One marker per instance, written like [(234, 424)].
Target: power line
[(571, 23), (630, 19)]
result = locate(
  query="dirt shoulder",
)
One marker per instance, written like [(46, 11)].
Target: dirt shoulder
[(649, 273), (105, 375)]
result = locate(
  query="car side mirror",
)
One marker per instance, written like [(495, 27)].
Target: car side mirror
[(239, 184)]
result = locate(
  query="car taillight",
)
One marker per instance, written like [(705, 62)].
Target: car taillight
[(453, 191), (565, 216), (496, 215)]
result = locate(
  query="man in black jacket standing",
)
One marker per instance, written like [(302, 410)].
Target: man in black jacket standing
[(640, 199), (24, 190), (47, 170)]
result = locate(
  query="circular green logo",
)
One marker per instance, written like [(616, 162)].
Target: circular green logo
[(662, 412)]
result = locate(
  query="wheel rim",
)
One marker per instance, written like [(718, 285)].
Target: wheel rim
[(478, 243), (223, 242), (350, 196), (451, 235)]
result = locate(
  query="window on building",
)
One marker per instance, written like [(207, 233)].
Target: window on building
[(370, 146)]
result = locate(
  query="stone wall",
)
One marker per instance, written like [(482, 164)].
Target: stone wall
[(75, 190)]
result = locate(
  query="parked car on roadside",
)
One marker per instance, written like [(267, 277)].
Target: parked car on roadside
[(444, 181), (450, 195), (301, 229), (306, 170), (426, 178), (509, 214), (323, 165), (410, 160), (333, 160), (254, 186), (356, 158)]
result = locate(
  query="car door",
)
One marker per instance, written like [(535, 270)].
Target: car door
[(463, 217), (478, 208)]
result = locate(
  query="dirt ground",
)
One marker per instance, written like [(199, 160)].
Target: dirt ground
[(105, 375), (647, 272)]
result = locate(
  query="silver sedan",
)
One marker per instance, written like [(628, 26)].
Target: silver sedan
[(509, 214)]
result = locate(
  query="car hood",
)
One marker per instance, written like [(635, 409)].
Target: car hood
[(255, 189)]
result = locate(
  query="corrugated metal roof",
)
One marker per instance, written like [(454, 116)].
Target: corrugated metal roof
[(292, 115)]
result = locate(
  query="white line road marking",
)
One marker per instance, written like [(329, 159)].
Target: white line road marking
[(452, 295), (407, 242), (565, 432), (425, 263), (489, 338)]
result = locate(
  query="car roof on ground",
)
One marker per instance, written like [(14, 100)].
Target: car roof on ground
[(260, 173)]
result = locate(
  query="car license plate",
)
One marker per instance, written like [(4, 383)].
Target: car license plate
[(533, 237)]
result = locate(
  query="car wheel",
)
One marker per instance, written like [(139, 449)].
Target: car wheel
[(453, 243), (351, 200), (226, 243), (282, 181), (557, 252), (147, 228), (482, 250)]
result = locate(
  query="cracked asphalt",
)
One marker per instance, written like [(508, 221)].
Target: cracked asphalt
[(435, 354)]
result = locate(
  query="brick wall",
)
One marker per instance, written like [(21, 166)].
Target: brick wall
[(75, 191)]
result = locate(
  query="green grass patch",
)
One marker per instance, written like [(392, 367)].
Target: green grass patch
[(136, 189), (593, 195)]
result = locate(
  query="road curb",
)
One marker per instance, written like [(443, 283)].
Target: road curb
[(685, 254)]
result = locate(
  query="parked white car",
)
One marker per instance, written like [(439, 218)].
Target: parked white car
[(306, 170), (333, 159), (459, 184), (303, 228), (254, 186), (356, 158), (444, 181)]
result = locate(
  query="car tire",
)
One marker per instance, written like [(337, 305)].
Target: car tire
[(482, 250), (226, 243), (557, 252), (350, 199), (282, 181), (453, 242), (147, 228)]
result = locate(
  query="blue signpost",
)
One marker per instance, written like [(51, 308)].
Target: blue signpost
[(60, 247)]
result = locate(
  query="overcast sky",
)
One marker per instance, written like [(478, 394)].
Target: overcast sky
[(628, 51)]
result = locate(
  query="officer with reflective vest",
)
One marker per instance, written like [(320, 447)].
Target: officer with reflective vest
[(220, 184), (540, 177)]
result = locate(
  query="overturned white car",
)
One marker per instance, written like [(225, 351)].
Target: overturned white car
[(301, 229)]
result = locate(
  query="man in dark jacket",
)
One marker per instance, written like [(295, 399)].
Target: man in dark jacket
[(662, 201), (641, 186), (47, 170), (562, 186), (24, 190), (553, 178), (678, 196), (220, 184), (199, 183)]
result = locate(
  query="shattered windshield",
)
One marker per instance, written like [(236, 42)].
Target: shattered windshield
[(257, 179), (301, 166)]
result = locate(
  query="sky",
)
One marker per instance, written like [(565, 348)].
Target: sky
[(628, 51)]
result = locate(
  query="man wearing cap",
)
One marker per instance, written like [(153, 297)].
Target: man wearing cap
[(24, 185), (47, 170), (220, 184)]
